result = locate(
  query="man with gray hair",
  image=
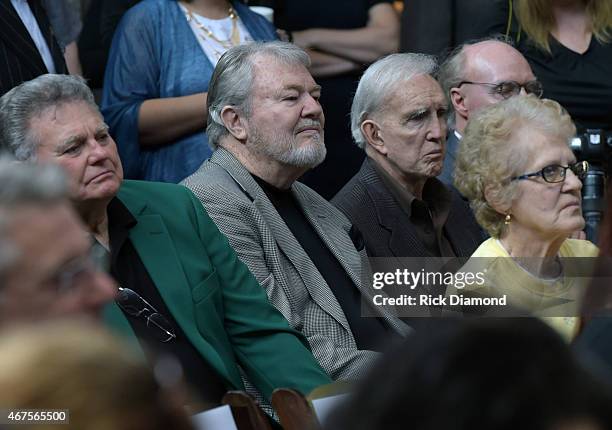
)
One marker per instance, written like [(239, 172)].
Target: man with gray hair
[(476, 75), (398, 118), (183, 291), (266, 127), (46, 268)]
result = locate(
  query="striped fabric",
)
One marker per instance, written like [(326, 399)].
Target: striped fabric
[(20, 60)]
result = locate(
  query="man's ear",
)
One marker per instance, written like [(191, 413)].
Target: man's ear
[(458, 101), (492, 198), (234, 122), (373, 136)]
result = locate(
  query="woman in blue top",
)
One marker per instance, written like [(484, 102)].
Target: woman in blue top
[(161, 60)]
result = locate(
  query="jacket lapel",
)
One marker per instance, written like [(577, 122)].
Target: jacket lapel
[(47, 31), (287, 243), (158, 254), (17, 38), (336, 237), (403, 239)]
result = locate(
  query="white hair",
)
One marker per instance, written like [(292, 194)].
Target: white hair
[(232, 79), (378, 83), (31, 98)]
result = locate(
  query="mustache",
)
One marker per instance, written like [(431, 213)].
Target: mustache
[(308, 123)]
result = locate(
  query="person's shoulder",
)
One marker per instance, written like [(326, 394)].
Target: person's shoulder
[(152, 191), (147, 10), (174, 203), (132, 184), (352, 194), (207, 173), (460, 209), (347, 194), (578, 248), (211, 178), (488, 261), (455, 195), (152, 5), (244, 12)]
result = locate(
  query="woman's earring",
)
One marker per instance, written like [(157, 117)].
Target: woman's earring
[(508, 219)]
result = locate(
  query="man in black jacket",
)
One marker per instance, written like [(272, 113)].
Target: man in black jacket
[(399, 118)]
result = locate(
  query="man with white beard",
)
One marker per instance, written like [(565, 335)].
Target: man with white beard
[(266, 126)]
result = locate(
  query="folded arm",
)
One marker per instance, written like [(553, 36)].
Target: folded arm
[(132, 103), (361, 45), (163, 121), (323, 65)]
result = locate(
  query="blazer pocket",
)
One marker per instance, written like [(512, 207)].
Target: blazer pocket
[(206, 288), (208, 310)]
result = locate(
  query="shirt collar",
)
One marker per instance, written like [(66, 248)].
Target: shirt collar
[(120, 221), (435, 195)]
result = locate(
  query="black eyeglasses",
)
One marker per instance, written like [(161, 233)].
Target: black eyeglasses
[(556, 173), (132, 303), (507, 89)]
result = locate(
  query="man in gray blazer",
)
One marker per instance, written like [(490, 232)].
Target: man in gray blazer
[(265, 124), (398, 117)]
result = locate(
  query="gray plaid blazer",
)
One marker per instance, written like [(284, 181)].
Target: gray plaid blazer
[(262, 240)]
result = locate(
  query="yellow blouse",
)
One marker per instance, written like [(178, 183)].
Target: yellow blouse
[(555, 301)]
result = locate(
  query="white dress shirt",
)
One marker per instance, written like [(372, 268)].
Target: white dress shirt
[(27, 17)]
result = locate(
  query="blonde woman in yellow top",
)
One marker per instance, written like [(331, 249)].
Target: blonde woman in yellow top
[(516, 167)]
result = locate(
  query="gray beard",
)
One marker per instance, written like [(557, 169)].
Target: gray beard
[(285, 150)]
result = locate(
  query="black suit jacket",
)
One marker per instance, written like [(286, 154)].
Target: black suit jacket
[(452, 144), (20, 60), (387, 231), (436, 26)]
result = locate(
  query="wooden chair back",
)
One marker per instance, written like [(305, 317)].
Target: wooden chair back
[(294, 410), (247, 414)]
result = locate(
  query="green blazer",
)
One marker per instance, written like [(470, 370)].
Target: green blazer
[(212, 295)]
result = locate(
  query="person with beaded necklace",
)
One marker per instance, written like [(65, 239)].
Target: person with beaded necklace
[(161, 59)]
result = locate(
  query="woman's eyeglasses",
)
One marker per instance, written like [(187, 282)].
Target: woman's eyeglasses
[(133, 304), (507, 89), (556, 173)]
